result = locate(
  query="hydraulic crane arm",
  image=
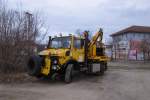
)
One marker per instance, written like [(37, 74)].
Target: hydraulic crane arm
[(95, 38)]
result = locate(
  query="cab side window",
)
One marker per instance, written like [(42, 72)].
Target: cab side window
[(77, 44)]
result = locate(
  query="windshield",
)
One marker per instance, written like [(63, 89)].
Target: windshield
[(61, 42)]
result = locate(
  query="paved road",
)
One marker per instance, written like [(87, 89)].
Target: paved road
[(116, 84)]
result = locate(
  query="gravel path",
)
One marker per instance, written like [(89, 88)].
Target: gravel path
[(116, 84)]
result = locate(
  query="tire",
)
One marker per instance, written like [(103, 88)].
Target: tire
[(69, 73), (102, 68), (34, 66), (106, 67)]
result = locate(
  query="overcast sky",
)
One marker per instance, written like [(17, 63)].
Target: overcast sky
[(69, 15)]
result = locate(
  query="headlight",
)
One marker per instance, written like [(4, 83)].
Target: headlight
[(54, 67), (55, 61)]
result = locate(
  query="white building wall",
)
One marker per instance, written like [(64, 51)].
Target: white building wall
[(131, 36), (122, 42)]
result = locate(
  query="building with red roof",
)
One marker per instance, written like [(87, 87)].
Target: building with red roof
[(132, 43)]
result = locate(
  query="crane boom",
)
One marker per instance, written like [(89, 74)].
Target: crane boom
[(95, 38)]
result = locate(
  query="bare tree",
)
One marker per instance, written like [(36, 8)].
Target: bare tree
[(18, 34)]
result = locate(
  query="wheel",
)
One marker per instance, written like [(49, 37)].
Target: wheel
[(106, 67), (54, 76), (69, 73), (34, 66), (102, 68)]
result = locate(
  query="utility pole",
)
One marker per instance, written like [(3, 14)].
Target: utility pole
[(29, 24), (29, 35)]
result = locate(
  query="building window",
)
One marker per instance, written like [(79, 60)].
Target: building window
[(125, 36)]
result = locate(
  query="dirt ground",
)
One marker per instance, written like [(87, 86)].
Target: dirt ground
[(123, 81)]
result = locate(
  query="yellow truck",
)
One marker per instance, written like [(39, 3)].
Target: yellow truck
[(66, 55)]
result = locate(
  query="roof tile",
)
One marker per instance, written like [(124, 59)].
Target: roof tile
[(136, 29)]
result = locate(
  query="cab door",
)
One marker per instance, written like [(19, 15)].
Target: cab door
[(78, 49)]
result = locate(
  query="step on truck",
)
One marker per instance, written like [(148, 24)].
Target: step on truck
[(66, 55)]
